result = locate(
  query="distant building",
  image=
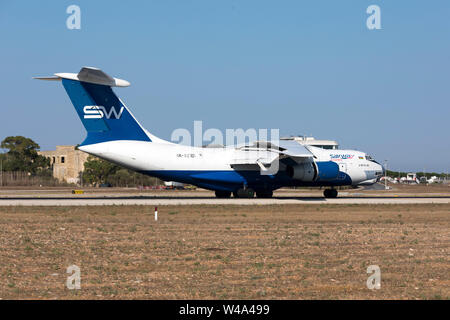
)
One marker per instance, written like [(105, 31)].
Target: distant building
[(67, 163), (310, 141)]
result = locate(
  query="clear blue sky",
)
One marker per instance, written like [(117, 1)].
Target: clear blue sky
[(305, 67)]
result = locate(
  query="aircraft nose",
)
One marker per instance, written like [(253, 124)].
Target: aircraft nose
[(383, 172)]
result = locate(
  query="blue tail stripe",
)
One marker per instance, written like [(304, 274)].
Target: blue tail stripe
[(111, 122)]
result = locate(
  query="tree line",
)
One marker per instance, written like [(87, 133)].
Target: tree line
[(21, 165)]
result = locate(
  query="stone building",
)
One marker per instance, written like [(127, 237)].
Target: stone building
[(67, 163)]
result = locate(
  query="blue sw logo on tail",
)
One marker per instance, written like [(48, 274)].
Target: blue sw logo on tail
[(98, 112)]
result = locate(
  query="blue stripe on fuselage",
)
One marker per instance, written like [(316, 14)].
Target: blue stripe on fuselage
[(231, 180)]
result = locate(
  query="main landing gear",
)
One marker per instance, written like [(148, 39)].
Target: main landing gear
[(244, 193), (330, 193), (223, 194)]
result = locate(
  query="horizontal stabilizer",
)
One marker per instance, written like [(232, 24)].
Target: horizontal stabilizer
[(89, 75), (48, 78)]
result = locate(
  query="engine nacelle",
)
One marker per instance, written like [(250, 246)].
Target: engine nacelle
[(303, 171), (327, 170)]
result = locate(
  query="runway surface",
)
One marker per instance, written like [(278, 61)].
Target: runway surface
[(155, 202), (65, 198)]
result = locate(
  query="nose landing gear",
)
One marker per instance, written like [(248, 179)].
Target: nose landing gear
[(330, 193)]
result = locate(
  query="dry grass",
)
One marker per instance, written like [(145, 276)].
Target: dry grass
[(233, 252)]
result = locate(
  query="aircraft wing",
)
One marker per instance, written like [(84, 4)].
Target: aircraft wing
[(291, 148), (265, 152)]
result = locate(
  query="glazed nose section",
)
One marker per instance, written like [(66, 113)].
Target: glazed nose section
[(381, 172)]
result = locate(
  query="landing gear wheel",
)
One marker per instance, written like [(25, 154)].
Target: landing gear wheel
[(330, 193), (244, 193), (223, 194), (264, 194)]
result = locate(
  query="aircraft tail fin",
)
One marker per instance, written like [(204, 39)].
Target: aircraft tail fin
[(103, 114)]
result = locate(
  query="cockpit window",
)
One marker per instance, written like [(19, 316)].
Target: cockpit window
[(369, 158)]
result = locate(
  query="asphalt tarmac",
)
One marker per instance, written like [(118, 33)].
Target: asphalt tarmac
[(64, 197)]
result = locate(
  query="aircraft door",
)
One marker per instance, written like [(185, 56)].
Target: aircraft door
[(342, 171)]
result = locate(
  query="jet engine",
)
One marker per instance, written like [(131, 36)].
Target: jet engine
[(313, 171), (303, 171)]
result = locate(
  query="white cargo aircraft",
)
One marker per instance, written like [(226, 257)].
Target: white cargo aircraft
[(260, 167)]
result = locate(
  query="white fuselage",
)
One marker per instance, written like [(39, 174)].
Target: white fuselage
[(145, 156)]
